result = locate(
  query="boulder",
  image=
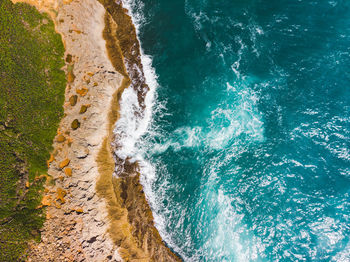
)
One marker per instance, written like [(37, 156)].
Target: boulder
[(73, 100), (75, 124), (61, 193), (83, 109), (60, 138), (46, 201), (64, 163), (83, 91), (69, 58), (68, 171)]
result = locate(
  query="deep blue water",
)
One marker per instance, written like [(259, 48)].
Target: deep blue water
[(250, 138)]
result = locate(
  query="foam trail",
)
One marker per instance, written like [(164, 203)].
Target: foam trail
[(134, 120), (130, 127), (133, 128)]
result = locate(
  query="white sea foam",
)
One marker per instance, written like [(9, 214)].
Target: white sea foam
[(239, 244), (131, 128)]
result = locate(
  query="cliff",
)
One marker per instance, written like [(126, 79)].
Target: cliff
[(91, 214)]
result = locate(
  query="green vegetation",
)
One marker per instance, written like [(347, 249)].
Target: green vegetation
[(31, 98)]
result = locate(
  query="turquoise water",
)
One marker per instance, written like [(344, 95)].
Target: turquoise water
[(247, 155)]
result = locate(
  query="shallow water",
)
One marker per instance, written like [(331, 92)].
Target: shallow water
[(247, 155)]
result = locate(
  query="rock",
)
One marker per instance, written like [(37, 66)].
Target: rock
[(66, 2), (70, 75), (75, 124), (68, 171), (79, 210), (69, 58), (57, 205), (52, 158), (73, 100), (92, 239), (77, 31), (69, 141), (46, 201), (48, 215), (83, 109), (64, 163), (80, 151), (61, 193), (83, 91), (60, 138)]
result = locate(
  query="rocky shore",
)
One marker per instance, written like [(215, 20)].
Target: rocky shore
[(91, 214)]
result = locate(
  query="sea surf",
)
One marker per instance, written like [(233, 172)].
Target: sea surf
[(243, 146)]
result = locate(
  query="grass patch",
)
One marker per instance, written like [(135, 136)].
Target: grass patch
[(31, 98)]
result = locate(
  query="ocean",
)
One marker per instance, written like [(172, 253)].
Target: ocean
[(244, 147)]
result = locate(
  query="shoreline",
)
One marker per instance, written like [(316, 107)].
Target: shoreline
[(131, 220), (92, 214)]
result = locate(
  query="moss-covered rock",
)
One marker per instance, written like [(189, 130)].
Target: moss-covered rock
[(83, 109), (69, 58), (73, 100), (70, 74), (75, 124)]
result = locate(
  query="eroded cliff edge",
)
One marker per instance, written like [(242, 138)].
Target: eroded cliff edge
[(91, 214)]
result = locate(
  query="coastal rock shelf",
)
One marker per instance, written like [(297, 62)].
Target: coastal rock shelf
[(90, 215)]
